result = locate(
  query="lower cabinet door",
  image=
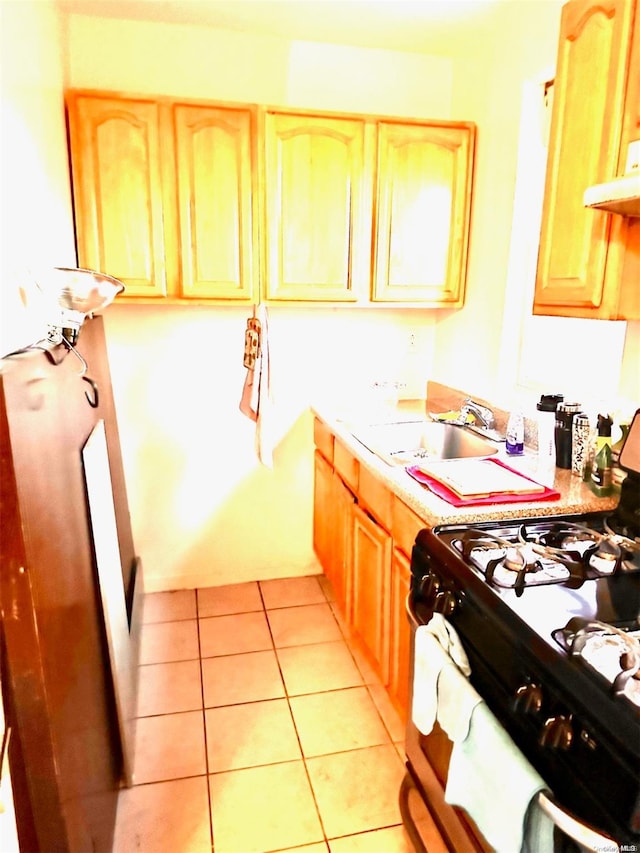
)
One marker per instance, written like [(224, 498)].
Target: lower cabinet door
[(399, 633), (371, 587)]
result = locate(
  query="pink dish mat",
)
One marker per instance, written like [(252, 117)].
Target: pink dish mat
[(452, 498)]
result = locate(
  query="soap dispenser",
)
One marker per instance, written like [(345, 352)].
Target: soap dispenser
[(515, 434)]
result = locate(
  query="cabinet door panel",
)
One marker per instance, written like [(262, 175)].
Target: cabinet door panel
[(584, 149), (323, 513), (115, 157), (424, 178), (214, 157), (315, 206), (370, 590), (400, 633), (343, 548)]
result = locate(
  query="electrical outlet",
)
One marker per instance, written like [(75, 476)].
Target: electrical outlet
[(412, 344)]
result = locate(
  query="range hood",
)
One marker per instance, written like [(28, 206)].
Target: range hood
[(620, 195)]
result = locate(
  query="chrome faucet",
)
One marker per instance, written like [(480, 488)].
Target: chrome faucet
[(483, 416)]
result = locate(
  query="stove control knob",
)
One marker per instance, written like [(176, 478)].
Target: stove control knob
[(557, 733), (429, 586), (528, 698), (445, 602)]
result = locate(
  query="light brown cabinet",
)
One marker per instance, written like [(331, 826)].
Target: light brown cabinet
[(188, 201), (589, 259), (215, 198), (399, 633), (318, 208), (422, 220), (332, 530), (164, 196), (323, 516), (371, 587), (343, 190), (118, 190), (363, 536)]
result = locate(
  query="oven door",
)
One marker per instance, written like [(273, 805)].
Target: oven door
[(424, 786)]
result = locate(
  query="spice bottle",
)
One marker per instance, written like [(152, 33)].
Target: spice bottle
[(601, 468), (565, 413)]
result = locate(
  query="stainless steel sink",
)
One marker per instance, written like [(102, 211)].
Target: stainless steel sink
[(407, 443)]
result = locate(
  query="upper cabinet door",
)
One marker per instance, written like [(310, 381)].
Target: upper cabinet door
[(318, 214), (577, 244), (423, 203), (115, 155), (214, 172)]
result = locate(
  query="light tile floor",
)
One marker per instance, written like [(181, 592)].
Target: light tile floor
[(260, 728)]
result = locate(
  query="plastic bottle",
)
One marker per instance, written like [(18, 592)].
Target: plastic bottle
[(515, 434), (601, 468), (565, 414), (546, 428)]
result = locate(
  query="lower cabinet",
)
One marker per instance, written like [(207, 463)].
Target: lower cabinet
[(363, 536), (371, 587), (323, 512), (399, 633), (342, 579)]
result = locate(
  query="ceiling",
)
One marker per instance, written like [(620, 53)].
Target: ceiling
[(440, 27)]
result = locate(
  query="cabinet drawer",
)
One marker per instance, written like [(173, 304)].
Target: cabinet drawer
[(373, 494), (345, 464), (406, 524), (323, 439)]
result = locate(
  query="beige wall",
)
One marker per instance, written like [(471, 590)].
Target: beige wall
[(36, 223)]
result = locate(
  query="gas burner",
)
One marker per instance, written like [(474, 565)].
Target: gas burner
[(601, 552), (610, 651), (558, 551), (520, 560)]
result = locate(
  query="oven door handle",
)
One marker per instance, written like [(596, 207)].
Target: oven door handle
[(580, 832)]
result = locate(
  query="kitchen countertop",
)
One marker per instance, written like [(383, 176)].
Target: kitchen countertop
[(575, 496)]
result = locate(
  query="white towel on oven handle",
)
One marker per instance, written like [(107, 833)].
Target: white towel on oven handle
[(456, 701), (491, 779), (436, 647)]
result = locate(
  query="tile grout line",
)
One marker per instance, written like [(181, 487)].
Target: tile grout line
[(204, 724)]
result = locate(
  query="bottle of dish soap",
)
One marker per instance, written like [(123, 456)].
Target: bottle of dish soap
[(601, 468), (515, 434)]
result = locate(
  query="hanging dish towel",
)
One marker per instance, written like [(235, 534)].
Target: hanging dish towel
[(490, 778), (255, 401), (437, 647)]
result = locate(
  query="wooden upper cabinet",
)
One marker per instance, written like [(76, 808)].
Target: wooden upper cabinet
[(115, 157), (423, 202), (317, 206), (582, 253), (214, 160), (236, 203)]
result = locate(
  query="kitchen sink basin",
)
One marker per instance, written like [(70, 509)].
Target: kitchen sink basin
[(406, 443)]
